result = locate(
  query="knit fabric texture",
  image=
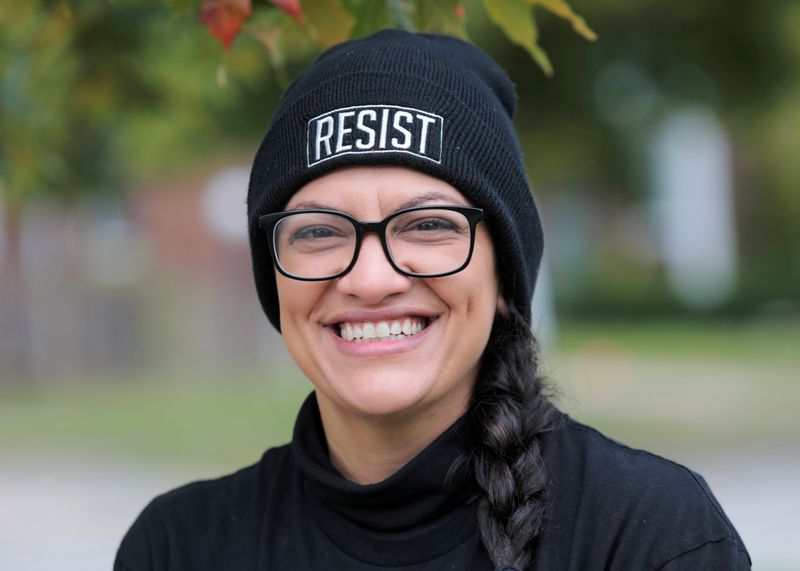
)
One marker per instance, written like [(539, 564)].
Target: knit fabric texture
[(431, 103)]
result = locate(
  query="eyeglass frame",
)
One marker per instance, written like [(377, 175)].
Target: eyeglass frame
[(268, 222)]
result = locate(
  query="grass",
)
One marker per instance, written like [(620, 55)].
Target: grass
[(230, 424), (776, 341), (682, 385), (662, 386)]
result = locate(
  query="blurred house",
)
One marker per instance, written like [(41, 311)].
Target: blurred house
[(151, 281)]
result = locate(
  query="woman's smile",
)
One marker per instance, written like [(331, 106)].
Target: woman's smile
[(370, 331), (375, 340), (368, 327)]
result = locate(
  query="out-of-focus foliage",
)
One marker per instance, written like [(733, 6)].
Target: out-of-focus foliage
[(224, 19), (585, 130), (58, 101), (93, 92), (84, 84), (95, 95), (332, 21)]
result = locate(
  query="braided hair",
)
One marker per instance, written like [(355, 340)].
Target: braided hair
[(509, 411)]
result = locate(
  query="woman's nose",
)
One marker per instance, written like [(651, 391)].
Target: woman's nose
[(373, 278)]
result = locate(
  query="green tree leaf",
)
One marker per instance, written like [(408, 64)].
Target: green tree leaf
[(515, 18), (563, 10)]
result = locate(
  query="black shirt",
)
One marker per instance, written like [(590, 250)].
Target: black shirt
[(611, 507)]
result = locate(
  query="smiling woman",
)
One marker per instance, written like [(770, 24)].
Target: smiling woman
[(424, 378), (396, 246)]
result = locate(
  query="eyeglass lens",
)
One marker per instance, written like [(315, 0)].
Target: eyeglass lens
[(421, 242)]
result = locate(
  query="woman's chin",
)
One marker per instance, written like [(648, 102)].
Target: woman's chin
[(379, 398)]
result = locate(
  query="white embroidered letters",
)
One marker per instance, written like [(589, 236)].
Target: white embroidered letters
[(404, 116), (374, 129), (370, 142), (342, 131), (423, 138), (326, 138)]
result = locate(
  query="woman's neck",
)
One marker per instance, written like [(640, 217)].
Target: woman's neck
[(367, 450)]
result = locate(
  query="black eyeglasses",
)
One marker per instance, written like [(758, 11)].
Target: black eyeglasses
[(421, 242)]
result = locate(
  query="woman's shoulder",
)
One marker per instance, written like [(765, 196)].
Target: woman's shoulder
[(229, 508), (632, 505), (242, 482), (582, 459), (610, 464)]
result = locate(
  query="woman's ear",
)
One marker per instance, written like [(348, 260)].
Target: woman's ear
[(502, 306)]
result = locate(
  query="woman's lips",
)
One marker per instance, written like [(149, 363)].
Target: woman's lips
[(384, 346)]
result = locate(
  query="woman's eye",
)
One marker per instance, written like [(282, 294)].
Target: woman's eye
[(432, 225), (429, 225), (314, 233)]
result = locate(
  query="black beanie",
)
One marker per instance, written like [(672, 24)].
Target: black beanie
[(432, 103)]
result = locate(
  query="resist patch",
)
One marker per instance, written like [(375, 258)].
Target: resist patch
[(374, 129)]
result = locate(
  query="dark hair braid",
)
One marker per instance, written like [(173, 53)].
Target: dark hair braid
[(509, 411)]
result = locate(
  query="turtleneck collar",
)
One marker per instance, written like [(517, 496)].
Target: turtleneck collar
[(412, 516)]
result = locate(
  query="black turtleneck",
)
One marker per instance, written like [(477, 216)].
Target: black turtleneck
[(611, 507), (413, 517)]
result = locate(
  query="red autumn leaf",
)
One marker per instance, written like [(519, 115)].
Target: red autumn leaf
[(224, 18), (291, 7)]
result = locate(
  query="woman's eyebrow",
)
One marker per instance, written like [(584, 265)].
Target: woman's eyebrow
[(312, 205), (432, 196)]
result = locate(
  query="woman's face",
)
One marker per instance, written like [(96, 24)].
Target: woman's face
[(430, 372)]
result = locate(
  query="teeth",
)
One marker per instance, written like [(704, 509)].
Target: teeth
[(382, 330)]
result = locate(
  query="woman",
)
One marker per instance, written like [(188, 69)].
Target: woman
[(395, 245)]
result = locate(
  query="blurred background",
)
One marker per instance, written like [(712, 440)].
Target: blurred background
[(134, 355)]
